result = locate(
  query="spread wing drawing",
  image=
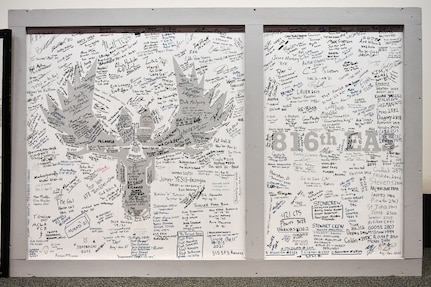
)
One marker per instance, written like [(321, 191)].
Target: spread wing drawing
[(197, 118), (199, 115), (195, 121), (73, 116)]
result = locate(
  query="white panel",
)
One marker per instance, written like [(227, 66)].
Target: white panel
[(135, 145), (334, 153)]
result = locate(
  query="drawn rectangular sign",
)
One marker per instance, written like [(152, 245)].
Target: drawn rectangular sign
[(135, 143), (334, 153)]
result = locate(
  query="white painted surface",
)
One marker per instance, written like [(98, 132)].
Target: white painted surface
[(6, 5), (413, 251)]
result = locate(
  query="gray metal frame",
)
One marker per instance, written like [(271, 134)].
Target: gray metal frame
[(254, 21)]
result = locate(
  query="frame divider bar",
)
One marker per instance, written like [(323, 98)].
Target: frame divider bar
[(254, 142), (412, 178), (19, 229)]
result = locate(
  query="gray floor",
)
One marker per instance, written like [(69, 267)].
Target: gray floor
[(424, 281)]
